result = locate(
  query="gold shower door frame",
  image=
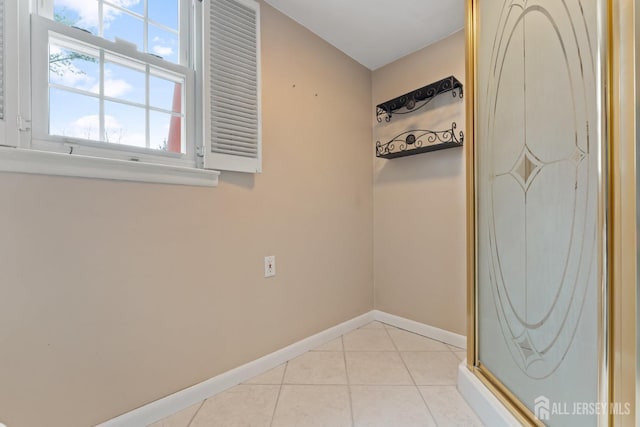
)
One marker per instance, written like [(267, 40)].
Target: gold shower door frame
[(606, 209)]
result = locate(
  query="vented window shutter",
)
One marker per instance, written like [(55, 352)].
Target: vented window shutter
[(232, 85)]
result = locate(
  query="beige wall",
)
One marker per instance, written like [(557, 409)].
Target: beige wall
[(419, 203), (115, 294)]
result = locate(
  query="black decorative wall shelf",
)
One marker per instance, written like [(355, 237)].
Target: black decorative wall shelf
[(415, 100), (419, 141)]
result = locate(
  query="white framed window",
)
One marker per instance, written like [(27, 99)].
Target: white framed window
[(132, 89)]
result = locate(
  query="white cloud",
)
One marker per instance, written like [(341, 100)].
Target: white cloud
[(115, 88), (124, 137), (87, 10), (72, 76), (88, 127), (112, 87), (69, 74), (93, 121), (163, 51)]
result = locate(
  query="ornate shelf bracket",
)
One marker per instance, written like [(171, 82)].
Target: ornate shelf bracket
[(417, 99), (419, 141)]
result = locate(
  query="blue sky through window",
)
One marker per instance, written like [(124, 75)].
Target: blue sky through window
[(74, 112)]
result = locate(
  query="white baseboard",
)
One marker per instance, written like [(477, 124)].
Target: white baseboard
[(162, 408), (421, 329), (155, 411), (488, 408)]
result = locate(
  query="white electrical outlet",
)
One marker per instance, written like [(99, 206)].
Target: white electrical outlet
[(270, 266)]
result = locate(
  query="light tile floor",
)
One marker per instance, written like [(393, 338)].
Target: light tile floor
[(375, 376)]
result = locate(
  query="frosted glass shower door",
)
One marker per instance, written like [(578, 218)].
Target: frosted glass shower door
[(537, 156)]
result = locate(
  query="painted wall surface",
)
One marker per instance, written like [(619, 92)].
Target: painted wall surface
[(419, 202), (115, 294)]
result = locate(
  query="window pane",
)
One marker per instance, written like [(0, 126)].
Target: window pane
[(123, 26), (165, 13), (136, 6), (165, 94), (124, 124), (78, 119), (165, 132), (124, 83), (74, 69), (163, 43), (81, 14), (125, 20)]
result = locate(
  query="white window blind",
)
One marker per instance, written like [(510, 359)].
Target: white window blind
[(232, 83)]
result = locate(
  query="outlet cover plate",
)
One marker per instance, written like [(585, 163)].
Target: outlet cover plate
[(270, 266)]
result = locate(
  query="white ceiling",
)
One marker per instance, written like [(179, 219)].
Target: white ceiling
[(376, 32)]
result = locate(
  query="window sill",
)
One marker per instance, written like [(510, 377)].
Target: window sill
[(50, 163)]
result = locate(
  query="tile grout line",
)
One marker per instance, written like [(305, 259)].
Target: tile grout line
[(196, 413), (452, 350), (411, 376), (387, 351), (346, 371), (350, 385), (273, 414)]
